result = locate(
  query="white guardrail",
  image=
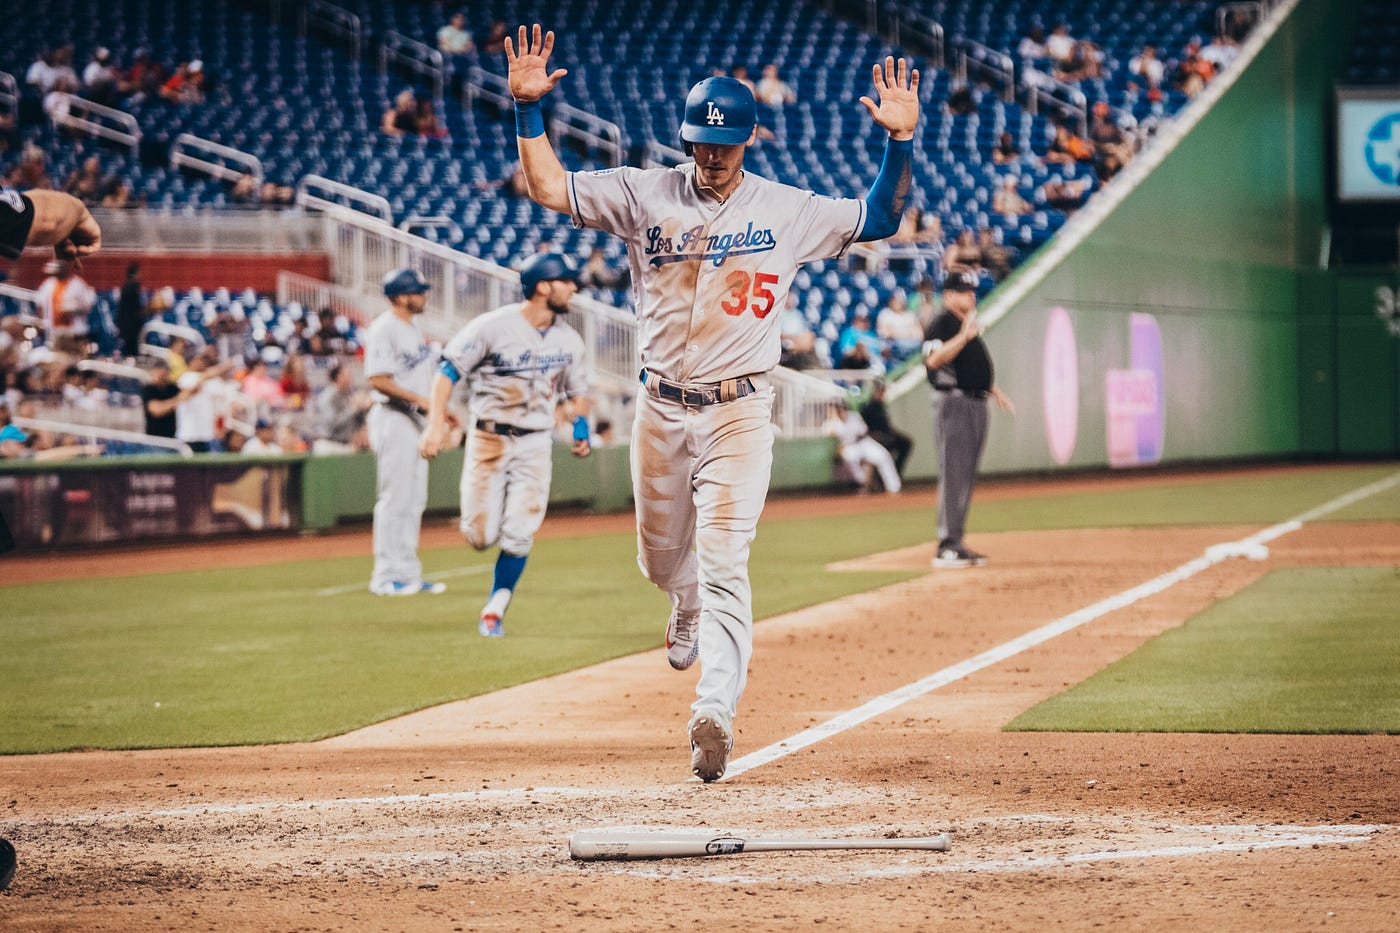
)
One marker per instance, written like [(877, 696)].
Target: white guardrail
[(363, 249)]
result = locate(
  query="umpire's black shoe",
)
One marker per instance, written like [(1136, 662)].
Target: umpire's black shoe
[(954, 557)]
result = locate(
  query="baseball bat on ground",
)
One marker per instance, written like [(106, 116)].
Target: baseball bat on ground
[(616, 844)]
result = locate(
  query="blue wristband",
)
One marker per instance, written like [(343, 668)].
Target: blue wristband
[(580, 428), (447, 369), (529, 119)]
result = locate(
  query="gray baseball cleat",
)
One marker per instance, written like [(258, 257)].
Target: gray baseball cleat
[(682, 639), (711, 739)]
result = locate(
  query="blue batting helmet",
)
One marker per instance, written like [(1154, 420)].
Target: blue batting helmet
[(719, 110), (546, 267), (405, 282)]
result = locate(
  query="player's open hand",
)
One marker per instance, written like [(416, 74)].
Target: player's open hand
[(529, 74), (431, 441), (897, 86)]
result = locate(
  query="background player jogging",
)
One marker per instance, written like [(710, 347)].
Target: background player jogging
[(517, 359), (713, 251)]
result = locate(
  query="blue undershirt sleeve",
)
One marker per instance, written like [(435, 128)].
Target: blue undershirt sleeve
[(889, 192)]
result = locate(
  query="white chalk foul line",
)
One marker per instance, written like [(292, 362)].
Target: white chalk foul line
[(440, 575), (883, 704)]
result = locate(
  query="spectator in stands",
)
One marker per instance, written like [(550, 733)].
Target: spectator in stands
[(494, 42), (159, 399), (799, 342), (1193, 72), (1032, 44), (402, 117), (1084, 63), (1063, 195), (963, 253), (31, 171), (201, 400), (1112, 148), (1147, 67), (996, 257), (271, 194), (340, 415), (877, 419), (858, 346), (51, 67), (1221, 51), (288, 438), (596, 273), (64, 301), (961, 100), (244, 190), (187, 85), (264, 440), (863, 456), (1067, 148), (131, 311), (234, 439), (143, 79), (453, 38), (425, 118), (87, 183), (740, 73), (177, 357), (898, 328), (1006, 151), (1059, 46), (326, 338), (57, 103), (925, 302), (773, 90), (259, 386), (14, 442), (100, 78), (296, 389), (1007, 201)]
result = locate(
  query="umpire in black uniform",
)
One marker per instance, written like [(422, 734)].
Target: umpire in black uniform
[(961, 373)]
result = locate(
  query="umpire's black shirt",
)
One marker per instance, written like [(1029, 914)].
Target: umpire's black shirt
[(971, 369)]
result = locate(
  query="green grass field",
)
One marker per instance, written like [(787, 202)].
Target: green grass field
[(254, 655), (1299, 651)]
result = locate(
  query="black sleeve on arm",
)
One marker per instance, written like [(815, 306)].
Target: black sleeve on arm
[(16, 218)]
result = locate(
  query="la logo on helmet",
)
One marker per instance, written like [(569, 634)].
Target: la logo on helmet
[(713, 116)]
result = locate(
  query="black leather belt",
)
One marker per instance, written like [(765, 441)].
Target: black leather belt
[(695, 394), (967, 393), (509, 430)]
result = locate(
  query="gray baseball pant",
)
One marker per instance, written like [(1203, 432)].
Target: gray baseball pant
[(960, 434), (401, 486)]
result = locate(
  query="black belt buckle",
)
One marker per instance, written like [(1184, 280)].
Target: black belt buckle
[(696, 396), (505, 430)]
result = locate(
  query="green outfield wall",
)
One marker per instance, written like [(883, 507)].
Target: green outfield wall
[(1193, 323)]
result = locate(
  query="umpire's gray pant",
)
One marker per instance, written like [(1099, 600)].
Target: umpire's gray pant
[(401, 495), (959, 433)]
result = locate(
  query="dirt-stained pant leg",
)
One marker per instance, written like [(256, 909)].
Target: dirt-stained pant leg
[(401, 494), (483, 488), (734, 447), (528, 469), (662, 466)]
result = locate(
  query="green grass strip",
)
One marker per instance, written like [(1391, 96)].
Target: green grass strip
[(1313, 650), (254, 655)]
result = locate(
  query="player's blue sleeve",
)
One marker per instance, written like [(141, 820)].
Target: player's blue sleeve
[(447, 369), (885, 202)]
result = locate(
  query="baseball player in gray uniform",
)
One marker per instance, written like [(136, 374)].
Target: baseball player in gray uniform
[(517, 359), (713, 251), (399, 364)]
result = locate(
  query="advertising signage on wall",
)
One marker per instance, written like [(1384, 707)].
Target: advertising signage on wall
[(1368, 144)]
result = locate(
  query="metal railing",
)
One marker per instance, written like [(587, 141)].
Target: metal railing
[(191, 336), (416, 222), (801, 401), (903, 27), (335, 20), (657, 155), (593, 132), (115, 370), (100, 433), (190, 151), (417, 57), (992, 66), (78, 113), (483, 85), (1066, 98), (314, 294), (229, 229), (24, 297), (341, 195)]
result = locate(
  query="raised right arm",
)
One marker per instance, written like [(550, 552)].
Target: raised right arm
[(530, 80)]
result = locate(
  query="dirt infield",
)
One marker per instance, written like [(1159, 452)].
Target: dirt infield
[(456, 818)]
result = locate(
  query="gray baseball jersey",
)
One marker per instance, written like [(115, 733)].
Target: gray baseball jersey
[(711, 278), (397, 348), (515, 370)]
